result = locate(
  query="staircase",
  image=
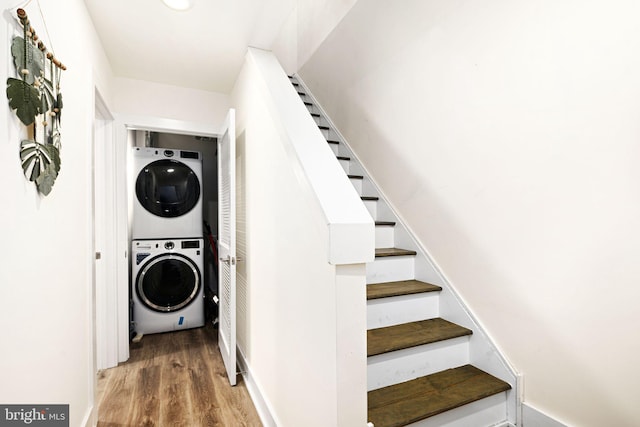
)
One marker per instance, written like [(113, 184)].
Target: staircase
[(421, 367)]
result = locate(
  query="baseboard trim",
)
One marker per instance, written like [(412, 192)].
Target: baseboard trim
[(262, 406), (532, 417), (89, 419)]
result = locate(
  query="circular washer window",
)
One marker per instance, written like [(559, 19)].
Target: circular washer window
[(167, 188), (168, 283)]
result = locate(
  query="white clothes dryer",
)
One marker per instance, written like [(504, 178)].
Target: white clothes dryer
[(167, 194), (167, 288)]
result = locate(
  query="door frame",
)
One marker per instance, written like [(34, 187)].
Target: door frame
[(124, 124), (104, 224)]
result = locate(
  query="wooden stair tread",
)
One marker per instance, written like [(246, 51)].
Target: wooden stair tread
[(323, 127), (315, 114), (412, 334), (355, 176), (403, 287), (387, 223), (415, 400), (384, 252), (308, 103), (333, 141), (371, 198), (344, 158)]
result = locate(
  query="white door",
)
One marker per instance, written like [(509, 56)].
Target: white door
[(227, 245)]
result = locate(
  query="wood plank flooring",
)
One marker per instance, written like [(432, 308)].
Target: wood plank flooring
[(173, 379)]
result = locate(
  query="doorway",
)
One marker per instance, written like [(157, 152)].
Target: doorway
[(206, 147), (114, 138)]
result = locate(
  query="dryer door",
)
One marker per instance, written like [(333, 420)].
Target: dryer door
[(168, 282), (167, 188)]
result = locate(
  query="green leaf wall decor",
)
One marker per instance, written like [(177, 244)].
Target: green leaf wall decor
[(34, 59), (40, 163), (23, 98), (36, 98)]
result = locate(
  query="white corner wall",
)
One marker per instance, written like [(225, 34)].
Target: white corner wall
[(506, 135), (46, 279), (301, 320), (305, 28)]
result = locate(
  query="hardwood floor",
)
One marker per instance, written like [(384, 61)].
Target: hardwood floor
[(173, 379)]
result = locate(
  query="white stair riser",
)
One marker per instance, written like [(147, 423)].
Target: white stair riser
[(357, 184), (390, 269), (404, 365), (489, 411), (402, 309), (372, 207), (335, 148), (384, 234), (344, 164)]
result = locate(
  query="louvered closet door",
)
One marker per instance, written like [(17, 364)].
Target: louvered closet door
[(227, 245)]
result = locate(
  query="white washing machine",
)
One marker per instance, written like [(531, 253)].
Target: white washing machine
[(167, 288), (167, 199)]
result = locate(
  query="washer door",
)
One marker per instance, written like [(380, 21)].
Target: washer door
[(168, 282), (167, 188)]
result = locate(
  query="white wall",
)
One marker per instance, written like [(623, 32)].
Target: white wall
[(304, 30), (315, 20), (45, 279), (300, 318), (142, 98), (506, 135)]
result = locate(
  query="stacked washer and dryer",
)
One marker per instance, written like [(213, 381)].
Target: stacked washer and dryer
[(167, 246)]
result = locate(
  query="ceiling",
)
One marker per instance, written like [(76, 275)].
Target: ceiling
[(201, 48)]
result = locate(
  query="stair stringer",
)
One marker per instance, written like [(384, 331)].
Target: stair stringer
[(483, 352)]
